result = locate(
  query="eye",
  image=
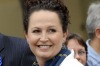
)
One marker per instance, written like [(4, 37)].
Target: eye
[(51, 30), (36, 31), (82, 52)]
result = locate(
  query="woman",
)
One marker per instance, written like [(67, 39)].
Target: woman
[(45, 25), (75, 42)]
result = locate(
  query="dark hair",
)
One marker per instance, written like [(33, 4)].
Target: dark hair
[(78, 38), (53, 5)]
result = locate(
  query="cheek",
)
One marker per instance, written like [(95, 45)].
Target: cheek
[(57, 39), (83, 59), (31, 40)]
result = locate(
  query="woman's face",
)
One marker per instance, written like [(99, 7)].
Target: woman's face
[(45, 35), (80, 53)]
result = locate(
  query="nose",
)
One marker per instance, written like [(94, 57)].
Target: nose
[(44, 37), (77, 56)]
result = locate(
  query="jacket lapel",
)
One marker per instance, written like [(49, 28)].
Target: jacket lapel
[(1, 45)]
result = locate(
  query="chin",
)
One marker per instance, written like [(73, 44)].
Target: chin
[(46, 56)]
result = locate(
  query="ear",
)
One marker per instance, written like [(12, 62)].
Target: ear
[(97, 32), (65, 36), (26, 36)]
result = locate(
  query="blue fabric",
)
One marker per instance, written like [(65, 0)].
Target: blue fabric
[(15, 52), (93, 58), (56, 61), (0, 61), (86, 64)]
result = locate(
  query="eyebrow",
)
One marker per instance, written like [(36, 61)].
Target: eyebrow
[(82, 49)]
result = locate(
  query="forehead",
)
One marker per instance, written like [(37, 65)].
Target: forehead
[(74, 44), (44, 16)]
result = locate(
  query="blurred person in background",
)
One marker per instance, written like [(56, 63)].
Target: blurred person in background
[(74, 41), (93, 30)]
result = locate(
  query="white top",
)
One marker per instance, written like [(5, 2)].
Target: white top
[(71, 61)]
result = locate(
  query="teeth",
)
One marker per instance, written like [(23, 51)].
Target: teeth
[(44, 46)]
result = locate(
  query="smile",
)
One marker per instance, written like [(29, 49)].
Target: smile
[(44, 46)]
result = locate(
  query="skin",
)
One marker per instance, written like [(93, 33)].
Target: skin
[(45, 35), (74, 44)]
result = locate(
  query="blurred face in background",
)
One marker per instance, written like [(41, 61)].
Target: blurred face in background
[(80, 53)]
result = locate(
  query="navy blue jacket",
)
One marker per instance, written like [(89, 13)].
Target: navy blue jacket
[(15, 52)]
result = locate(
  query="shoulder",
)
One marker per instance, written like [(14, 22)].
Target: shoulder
[(16, 43), (11, 39), (15, 50)]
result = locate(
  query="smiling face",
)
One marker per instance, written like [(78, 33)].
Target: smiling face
[(45, 35), (80, 53)]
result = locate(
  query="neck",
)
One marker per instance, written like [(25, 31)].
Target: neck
[(95, 44), (41, 62)]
